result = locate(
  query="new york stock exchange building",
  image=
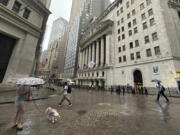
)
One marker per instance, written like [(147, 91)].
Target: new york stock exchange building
[(132, 43)]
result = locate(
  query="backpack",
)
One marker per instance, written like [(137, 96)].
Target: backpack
[(69, 89)]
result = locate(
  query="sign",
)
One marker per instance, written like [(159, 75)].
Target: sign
[(155, 70)]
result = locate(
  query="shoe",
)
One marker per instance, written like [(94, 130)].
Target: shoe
[(14, 126), (19, 127), (70, 104)]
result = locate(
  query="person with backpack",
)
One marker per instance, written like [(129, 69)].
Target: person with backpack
[(161, 92), (67, 92)]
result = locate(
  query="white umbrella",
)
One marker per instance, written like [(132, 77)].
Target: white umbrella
[(30, 81)]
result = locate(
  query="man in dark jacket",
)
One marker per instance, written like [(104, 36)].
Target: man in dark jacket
[(161, 92)]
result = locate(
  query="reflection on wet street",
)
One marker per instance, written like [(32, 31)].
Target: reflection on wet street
[(97, 113)]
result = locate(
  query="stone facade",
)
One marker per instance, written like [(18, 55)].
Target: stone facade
[(141, 44), (24, 22)]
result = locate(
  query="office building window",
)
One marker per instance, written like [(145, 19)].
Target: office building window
[(138, 55), (124, 58), (119, 38), (134, 22), (128, 15), (132, 56), (121, 9), (136, 43), (143, 16), (119, 31), (131, 45), (146, 38), (148, 2), (16, 7), (118, 23), (157, 50), (122, 20), (119, 49), (26, 13), (152, 21), (133, 12), (123, 36), (150, 12), (142, 6), (127, 4), (148, 53), (144, 25), (155, 36), (118, 13), (129, 25), (122, 29), (124, 48), (130, 32), (120, 60), (4, 2), (135, 30)]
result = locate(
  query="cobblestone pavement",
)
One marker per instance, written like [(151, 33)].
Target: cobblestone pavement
[(97, 113)]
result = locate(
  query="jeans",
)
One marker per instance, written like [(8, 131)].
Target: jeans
[(162, 93)]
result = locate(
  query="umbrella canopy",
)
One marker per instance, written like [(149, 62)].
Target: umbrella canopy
[(156, 81), (30, 81)]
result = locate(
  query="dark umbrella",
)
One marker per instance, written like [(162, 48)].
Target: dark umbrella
[(156, 81)]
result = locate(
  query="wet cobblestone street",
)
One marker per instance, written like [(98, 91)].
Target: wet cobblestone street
[(97, 113)]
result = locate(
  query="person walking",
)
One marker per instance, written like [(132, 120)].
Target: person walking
[(21, 96), (161, 92), (66, 91)]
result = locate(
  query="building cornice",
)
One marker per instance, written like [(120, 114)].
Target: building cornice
[(12, 18), (174, 4)]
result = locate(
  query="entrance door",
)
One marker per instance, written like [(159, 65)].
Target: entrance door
[(178, 82), (6, 48), (138, 81)]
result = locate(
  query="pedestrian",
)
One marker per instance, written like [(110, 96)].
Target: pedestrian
[(66, 96), (123, 90), (21, 96), (161, 92)]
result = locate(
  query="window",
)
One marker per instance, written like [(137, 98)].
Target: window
[(97, 74), (118, 13), (128, 15), (155, 36), (132, 2), (120, 60), (118, 23), (131, 45), (129, 25), (150, 12), (152, 21), (148, 53), (119, 49), (142, 6), (138, 55), (122, 20), (134, 22), (146, 38), (132, 56), (26, 13), (122, 29), (123, 36), (133, 12), (119, 38), (124, 48), (119, 31), (4, 2), (130, 32), (144, 25), (143, 16), (124, 58), (136, 43), (148, 2), (135, 30), (16, 7), (121, 9), (157, 50), (127, 4)]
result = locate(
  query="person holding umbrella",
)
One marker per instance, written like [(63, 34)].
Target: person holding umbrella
[(21, 96), (161, 92)]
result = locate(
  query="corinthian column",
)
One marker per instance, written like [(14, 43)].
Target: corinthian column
[(97, 53), (102, 51)]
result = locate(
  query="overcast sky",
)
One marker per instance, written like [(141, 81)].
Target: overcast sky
[(58, 8)]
